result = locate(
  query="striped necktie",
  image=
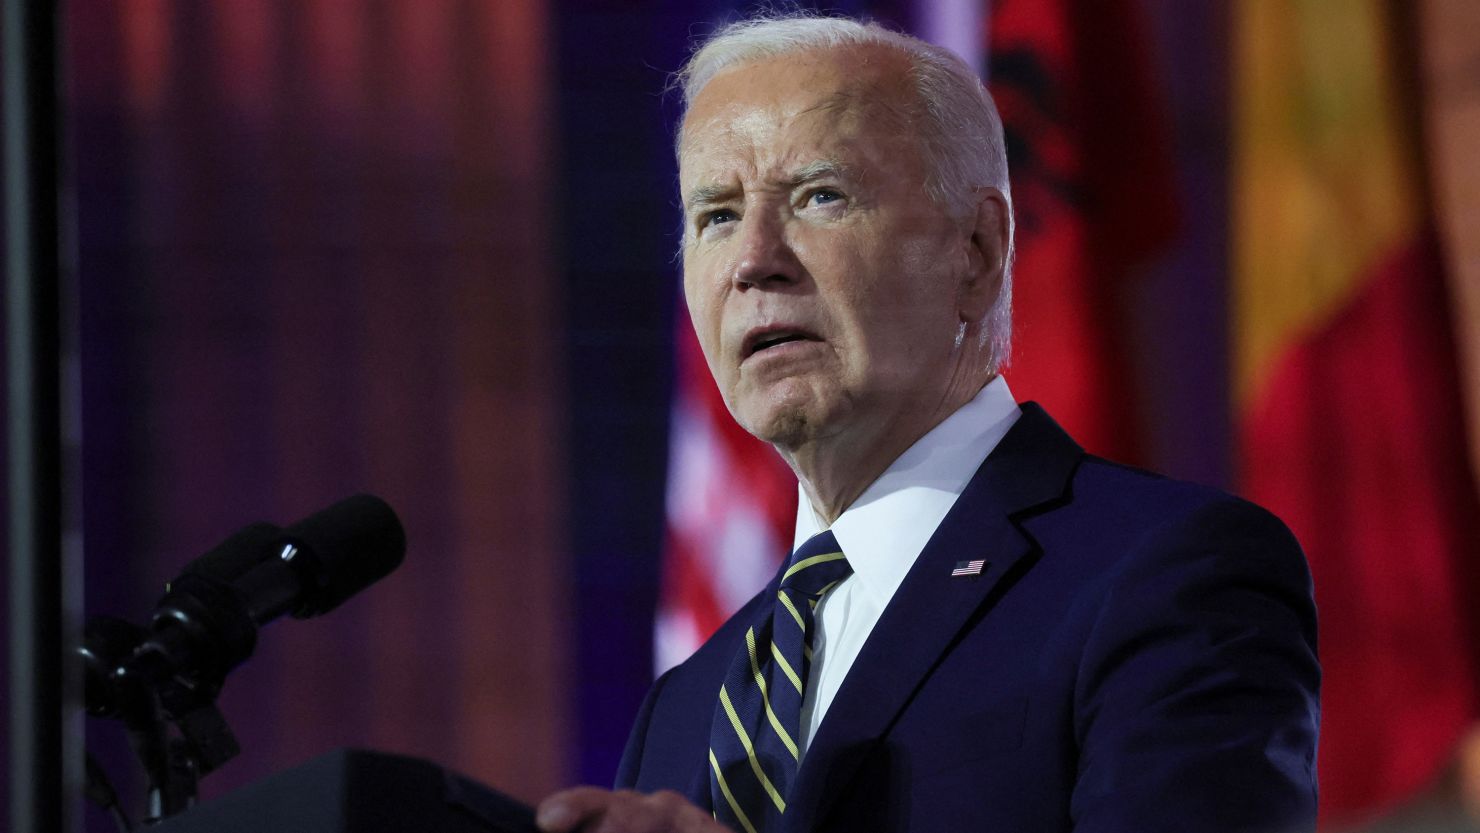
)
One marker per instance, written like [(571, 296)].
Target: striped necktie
[(753, 756)]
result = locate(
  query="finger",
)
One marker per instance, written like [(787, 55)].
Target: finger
[(685, 816), (568, 809), (693, 819), (661, 812)]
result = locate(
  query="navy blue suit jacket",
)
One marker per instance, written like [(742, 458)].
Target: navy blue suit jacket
[(1138, 656)]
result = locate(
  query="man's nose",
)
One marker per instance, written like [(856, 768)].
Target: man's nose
[(766, 257)]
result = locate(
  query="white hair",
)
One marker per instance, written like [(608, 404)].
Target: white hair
[(961, 132)]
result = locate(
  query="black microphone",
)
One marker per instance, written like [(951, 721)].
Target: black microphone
[(206, 623), (309, 568)]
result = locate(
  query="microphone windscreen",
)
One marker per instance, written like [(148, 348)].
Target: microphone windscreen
[(349, 546)]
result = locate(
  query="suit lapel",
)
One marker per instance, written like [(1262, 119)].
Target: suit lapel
[(1028, 469)]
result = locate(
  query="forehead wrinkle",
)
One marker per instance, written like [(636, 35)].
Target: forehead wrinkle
[(834, 104), (713, 185), (867, 99)]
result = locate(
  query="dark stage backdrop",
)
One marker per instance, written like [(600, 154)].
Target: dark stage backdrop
[(316, 260)]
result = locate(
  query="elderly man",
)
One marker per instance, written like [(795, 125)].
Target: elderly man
[(982, 627)]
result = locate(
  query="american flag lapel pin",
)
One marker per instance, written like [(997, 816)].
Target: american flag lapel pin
[(969, 568)]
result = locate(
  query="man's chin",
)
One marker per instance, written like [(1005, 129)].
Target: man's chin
[(783, 427), (791, 412), (793, 425)]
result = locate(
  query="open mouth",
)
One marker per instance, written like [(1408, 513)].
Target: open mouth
[(768, 343), (760, 342)]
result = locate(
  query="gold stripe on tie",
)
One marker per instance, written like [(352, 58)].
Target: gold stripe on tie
[(785, 667), (755, 765), (729, 796), (791, 609), (811, 562), (760, 681)]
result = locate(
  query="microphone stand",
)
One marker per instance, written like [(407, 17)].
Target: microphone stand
[(137, 691), (149, 736)]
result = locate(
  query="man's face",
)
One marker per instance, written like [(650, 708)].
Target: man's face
[(822, 280)]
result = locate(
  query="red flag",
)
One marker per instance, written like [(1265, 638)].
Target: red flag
[(1094, 196)]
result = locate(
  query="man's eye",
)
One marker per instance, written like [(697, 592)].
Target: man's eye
[(710, 218), (823, 197)]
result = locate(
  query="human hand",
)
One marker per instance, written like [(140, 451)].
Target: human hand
[(594, 810)]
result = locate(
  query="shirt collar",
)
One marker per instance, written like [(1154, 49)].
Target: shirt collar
[(886, 528)]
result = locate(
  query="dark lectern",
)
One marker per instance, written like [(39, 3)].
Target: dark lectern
[(354, 791)]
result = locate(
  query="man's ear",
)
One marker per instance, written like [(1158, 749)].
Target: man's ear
[(988, 246)]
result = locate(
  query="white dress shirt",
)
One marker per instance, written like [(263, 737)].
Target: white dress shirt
[(883, 532)]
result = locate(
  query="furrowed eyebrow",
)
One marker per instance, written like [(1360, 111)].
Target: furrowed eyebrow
[(821, 169), (706, 195), (709, 195)]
